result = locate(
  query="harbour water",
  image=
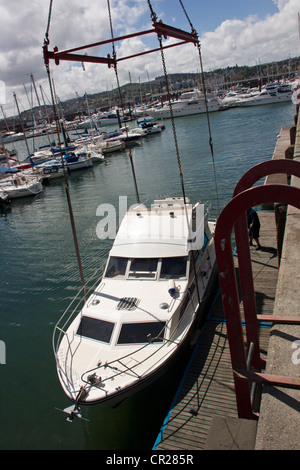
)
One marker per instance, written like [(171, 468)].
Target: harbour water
[(39, 273)]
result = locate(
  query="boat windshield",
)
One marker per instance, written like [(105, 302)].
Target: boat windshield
[(93, 328), (173, 268), (143, 268), (116, 267), (147, 268), (142, 332)]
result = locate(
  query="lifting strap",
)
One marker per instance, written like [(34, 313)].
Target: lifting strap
[(66, 181), (121, 100), (205, 96)]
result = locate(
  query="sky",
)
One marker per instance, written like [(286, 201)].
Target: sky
[(230, 31)]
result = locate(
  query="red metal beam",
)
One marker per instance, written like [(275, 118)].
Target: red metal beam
[(268, 379), (160, 29), (107, 41), (275, 319), (57, 56), (165, 30), (152, 50)]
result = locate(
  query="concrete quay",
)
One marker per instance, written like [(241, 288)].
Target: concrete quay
[(279, 419)]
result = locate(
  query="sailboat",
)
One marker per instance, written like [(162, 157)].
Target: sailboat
[(20, 185), (146, 306)]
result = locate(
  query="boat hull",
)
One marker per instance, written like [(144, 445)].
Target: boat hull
[(165, 112), (152, 297), (81, 165), (23, 191), (115, 399), (260, 102)]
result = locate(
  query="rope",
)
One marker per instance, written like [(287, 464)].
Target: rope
[(67, 187), (187, 16), (172, 120), (205, 97), (48, 23), (121, 100), (154, 17), (46, 42), (208, 123), (111, 27)]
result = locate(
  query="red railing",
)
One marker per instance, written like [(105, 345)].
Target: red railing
[(246, 361)]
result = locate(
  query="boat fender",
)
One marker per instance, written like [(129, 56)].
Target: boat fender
[(94, 379), (171, 287)]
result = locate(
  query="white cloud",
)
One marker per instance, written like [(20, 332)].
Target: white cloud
[(23, 25), (242, 42)]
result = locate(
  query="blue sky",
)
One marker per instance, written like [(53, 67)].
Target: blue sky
[(208, 15), (230, 31)]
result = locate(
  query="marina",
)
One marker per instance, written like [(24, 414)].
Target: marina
[(137, 223), (32, 304)]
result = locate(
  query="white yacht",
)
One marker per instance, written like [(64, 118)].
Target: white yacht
[(234, 96), (273, 93), (158, 277), (11, 136), (189, 103)]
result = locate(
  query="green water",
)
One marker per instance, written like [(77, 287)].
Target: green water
[(39, 274)]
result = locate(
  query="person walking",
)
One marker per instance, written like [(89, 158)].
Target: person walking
[(253, 227)]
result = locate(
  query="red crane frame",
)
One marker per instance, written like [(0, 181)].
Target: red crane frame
[(159, 28)]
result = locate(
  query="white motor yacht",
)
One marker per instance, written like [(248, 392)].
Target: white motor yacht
[(158, 277), (189, 103), (273, 93)]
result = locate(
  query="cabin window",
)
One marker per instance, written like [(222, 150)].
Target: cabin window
[(142, 332), (116, 267), (284, 90), (143, 268), (93, 328), (173, 268)]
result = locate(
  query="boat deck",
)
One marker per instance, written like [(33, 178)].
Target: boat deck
[(207, 389)]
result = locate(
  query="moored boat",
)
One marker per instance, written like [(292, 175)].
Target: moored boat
[(21, 185), (189, 103), (77, 161), (148, 303), (273, 93), (11, 136), (109, 147)]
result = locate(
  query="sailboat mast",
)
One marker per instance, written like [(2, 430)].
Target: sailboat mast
[(47, 117), (21, 121)]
